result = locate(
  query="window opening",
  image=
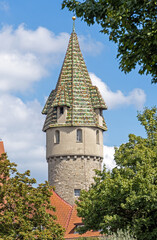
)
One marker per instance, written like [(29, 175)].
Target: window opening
[(61, 110), (77, 192), (101, 113), (57, 136), (97, 136), (79, 135)]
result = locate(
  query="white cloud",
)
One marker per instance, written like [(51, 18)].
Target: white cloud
[(116, 99), (17, 71), (21, 130), (26, 56), (4, 6), (109, 157), (39, 41)]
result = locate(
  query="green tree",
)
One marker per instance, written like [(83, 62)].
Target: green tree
[(131, 24), (24, 209), (126, 197)]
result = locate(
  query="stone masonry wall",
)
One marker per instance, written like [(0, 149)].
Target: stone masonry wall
[(67, 173)]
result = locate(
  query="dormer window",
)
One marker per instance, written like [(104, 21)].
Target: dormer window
[(61, 110), (61, 114), (101, 113), (79, 135)]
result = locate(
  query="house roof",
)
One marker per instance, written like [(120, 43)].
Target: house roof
[(63, 209), (1, 147), (74, 89), (75, 221), (67, 217)]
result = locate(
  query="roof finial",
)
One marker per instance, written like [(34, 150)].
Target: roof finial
[(73, 18)]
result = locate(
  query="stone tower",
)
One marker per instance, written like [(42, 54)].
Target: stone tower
[(74, 127)]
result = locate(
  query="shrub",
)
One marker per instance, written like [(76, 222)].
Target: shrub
[(120, 235)]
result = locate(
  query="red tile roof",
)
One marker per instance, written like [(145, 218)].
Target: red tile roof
[(73, 223), (63, 209), (1, 147), (67, 218)]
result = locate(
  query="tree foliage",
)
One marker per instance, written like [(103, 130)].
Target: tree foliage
[(126, 197), (131, 24), (23, 208)]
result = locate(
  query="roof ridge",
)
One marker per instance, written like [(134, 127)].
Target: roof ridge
[(68, 218)]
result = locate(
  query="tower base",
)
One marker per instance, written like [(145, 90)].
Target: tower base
[(70, 174)]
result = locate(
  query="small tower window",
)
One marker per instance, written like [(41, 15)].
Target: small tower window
[(77, 192), (79, 135), (97, 136), (57, 137), (101, 113), (61, 110)]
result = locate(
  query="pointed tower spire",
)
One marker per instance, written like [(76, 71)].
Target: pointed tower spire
[(75, 92)]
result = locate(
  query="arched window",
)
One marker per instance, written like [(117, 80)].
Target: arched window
[(57, 137), (97, 136), (79, 135)]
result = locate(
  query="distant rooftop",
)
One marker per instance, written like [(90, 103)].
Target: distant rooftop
[(1, 147)]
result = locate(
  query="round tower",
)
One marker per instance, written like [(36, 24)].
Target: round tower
[(74, 127)]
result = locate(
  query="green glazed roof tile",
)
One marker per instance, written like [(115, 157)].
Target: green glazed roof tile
[(97, 100), (49, 102), (62, 97), (74, 89)]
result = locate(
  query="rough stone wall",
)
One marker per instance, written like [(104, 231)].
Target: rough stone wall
[(67, 173)]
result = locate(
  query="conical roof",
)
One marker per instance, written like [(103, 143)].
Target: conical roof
[(74, 89)]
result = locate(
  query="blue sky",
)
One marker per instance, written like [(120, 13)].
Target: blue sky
[(33, 39)]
